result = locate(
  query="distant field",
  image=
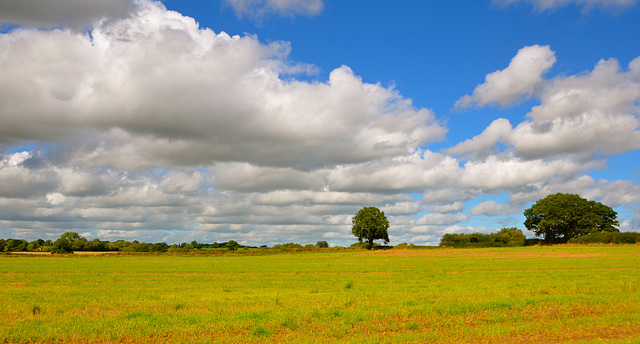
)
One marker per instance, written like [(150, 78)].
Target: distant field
[(584, 294)]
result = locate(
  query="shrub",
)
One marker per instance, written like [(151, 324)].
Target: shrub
[(287, 246), (505, 237), (607, 238), (361, 244)]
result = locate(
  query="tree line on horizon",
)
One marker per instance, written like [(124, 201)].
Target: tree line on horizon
[(70, 242)]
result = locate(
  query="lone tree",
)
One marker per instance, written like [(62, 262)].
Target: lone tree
[(561, 217), (370, 224)]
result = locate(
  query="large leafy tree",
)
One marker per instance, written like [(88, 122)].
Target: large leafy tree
[(561, 217), (370, 224), (65, 243)]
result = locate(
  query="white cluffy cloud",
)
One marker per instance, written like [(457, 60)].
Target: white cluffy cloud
[(514, 83), (53, 13), (259, 8), (543, 5), (581, 115), (155, 89)]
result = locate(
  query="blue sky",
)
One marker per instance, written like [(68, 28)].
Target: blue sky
[(269, 121)]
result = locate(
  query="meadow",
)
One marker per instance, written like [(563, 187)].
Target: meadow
[(552, 294)]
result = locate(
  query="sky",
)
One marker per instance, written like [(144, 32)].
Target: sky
[(274, 121)]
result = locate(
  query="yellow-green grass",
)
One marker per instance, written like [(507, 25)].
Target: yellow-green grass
[(583, 294)]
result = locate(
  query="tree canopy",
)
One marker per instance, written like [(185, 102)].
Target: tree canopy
[(65, 243), (560, 217), (232, 245), (370, 224)]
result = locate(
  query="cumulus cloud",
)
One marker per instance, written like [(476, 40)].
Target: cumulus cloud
[(514, 83), (17, 181), (410, 173), (55, 13), (583, 115), (492, 208), (159, 90), (543, 5), (441, 219), (593, 112), (509, 172), (259, 8), (448, 208), (485, 144), (614, 193), (467, 229)]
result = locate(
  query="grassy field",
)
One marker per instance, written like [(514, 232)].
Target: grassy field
[(583, 294)]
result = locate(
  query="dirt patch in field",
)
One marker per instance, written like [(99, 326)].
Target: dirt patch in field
[(487, 253), (17, 284), (591, 334), (546, 254), (33, 253), (94, 253)]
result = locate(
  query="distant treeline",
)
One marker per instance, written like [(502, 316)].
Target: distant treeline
[(96, 245), (70, 242), (510, 237), (608, 238), (506, 237)]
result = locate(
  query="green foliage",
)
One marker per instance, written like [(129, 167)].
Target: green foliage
[(159, 247), (65, 243), (561, 217), (287, 246), (506, 237), (510, 237), (362, 245), (607, 238), (232, 245), (404, 246), (14, 245), (322, 244), (370, 224)]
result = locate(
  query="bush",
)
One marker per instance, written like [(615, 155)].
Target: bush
[(532, 241), (404, 246), (61, 246), (287, 246), (506, 237), (363, 245), (359, 244), (607, 238), (232, 245)]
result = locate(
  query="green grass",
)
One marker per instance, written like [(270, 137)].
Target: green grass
[(555, 294)]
